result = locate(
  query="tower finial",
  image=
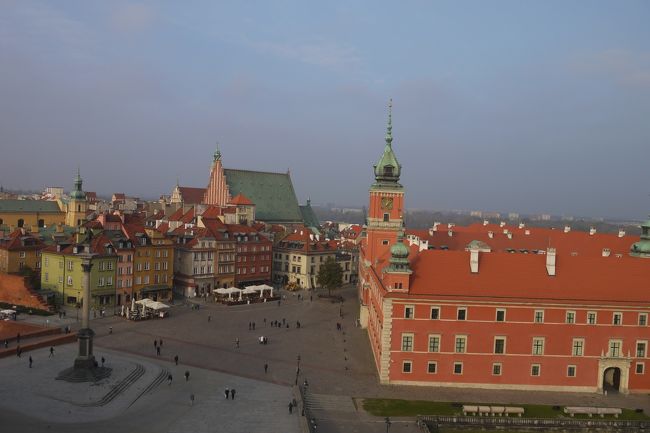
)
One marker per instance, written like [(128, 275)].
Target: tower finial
[(217, 153), (389, 128)]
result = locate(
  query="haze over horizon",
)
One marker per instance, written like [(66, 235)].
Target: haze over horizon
[(530, 107)]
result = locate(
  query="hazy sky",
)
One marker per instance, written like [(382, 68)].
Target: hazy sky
[(528, 106)]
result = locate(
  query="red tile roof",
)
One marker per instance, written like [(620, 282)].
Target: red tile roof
[(212, 212), (188, 217), (523, 277), (191, 195), (241, 199)]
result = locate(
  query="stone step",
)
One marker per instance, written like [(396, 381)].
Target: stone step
[(325, 402)]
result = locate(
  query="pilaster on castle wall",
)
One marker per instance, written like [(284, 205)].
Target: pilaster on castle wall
[(386, 332)]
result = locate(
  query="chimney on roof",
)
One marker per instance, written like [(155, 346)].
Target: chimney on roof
[(473, 260), (550, 262), (435, 226), (490, 234), (527, 232), (522, 225), (486, 222), (450, 233), (621, 233), (606, 252), (592, 231), (509, 235), (567, 229), (502, 224), (505, 231)]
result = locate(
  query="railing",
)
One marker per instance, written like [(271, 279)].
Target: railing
[(309, 417), (539, 423)]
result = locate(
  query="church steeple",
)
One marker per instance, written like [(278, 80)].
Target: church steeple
[(78, 193), (388, 169), (217, 153)]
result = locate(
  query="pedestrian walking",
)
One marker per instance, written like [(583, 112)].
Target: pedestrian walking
[(155, 343), (250, 326), (51, 352), (103, 361), (253, 326), (169, 379), (110, 329), (278, 302), (191, 399), (227, 393), (232, 393), (266, 368), (19, 351), (160, 343), (209, 319), (237, 342), (158, 350), (298, 324), (30, 361), (290, 407), (311, 298), (187, 375), (6, 343), (265, 322)]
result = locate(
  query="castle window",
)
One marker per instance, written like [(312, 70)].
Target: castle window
[(434, 343), (458, 368), (539, 316), (435, 313), (407, 342), (617, 318), (496, 369), (591, 318), (408, 312), (641, 349), (535, 370), (643, 319), (388, 170), (432, 367), (538, 346), (21, 222), (501, 315), (571, 371), (407, 366), (386, 217), (640, 368), (570, 317), (500, 345), (578, 347), (461, 314)]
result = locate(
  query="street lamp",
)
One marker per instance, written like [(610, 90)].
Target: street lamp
[(388, 423), (297, 368)]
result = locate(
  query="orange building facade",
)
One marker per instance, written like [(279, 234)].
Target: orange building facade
[(572, 316)]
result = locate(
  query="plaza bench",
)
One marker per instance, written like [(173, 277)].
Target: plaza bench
[(497, 410), (484, 410), (511, 410), (468, 409), (591, 411)]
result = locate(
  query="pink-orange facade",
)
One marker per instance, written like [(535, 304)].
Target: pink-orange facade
[(572, 316)]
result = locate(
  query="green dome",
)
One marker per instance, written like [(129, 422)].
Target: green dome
[(78, 193), (399, 250), (642, 248), (388, 168)]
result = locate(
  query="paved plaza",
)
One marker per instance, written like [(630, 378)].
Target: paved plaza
[(337, 365)]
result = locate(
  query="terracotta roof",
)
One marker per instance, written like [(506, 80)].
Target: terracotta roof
[(537, 238), (16, 239), (177, 215), (191, 195), (212, 212), (241, 199), (188, 217), (578, 279)]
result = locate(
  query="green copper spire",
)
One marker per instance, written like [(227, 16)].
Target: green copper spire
[(389, 127), (399, 254), (388, 169), (642, 248), (217, 153), (78, 193)]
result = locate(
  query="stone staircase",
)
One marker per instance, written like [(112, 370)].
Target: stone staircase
[(328, 403), (118, 389)]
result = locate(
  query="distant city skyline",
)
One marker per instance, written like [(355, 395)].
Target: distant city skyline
[(529, 107)]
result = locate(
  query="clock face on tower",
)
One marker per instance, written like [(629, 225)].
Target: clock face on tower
[(387, 203)]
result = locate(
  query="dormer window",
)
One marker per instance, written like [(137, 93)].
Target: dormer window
[(388, 170)]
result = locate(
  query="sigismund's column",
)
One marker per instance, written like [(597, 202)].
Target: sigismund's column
[(85, 358), (85, 368)]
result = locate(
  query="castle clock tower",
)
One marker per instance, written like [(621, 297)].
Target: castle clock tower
[(385, 213)]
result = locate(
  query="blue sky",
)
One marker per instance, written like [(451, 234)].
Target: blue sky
[(522, 106)]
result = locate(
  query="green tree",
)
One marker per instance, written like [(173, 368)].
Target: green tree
[(330, 275)]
